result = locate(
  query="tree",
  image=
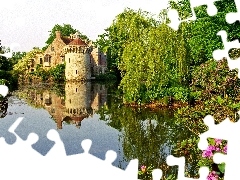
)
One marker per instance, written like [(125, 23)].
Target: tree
[(66, 30), (115, 37), (203, 43), (22, 66)]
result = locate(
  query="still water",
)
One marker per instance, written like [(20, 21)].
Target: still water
[(93, 111)]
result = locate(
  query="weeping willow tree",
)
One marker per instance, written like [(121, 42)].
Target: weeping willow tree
[(153, 60)]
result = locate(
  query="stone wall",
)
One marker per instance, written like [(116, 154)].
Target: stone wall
[(77, 66), (98, 62), (55, 50)]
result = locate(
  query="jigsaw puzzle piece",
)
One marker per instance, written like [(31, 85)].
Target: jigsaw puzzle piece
[(91, 167), (58, 149), (229, 131), (43, 145), (180, 162), (9, 137), (224, 53), (14, 155), (234, 16), (173, 14)]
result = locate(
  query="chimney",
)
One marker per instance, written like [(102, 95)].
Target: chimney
[(58, 34)]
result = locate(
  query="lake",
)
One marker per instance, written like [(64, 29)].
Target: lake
[(93, 111)]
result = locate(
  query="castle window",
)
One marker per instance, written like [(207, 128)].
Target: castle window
[(47, 58), (76, 89), (69, 60), (76, 71), (41, 61), (70, 101), (100, 60), (52, 110)]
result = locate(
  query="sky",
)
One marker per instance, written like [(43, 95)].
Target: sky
[(27, 22)]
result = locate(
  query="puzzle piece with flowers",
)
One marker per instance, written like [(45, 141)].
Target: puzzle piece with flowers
[(229, 131)]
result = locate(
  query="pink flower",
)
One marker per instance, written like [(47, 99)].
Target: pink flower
[(211, 148), (225, 149), (218, 141), (207, 153), (212, 176), (143, 168)]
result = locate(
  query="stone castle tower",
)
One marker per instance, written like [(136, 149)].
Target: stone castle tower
[(77, 58)]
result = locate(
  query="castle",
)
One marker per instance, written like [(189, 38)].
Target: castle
[(83, 60), (80, 101)]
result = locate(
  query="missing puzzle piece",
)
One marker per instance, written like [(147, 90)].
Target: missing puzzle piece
[(224, 53), (173, 14), (234, 16), (180, 162), (93, 168)]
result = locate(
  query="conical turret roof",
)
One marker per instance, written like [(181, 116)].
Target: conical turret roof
[(78, 42)]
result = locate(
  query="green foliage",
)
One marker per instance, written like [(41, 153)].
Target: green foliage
[(106, 76), (41, 73), (16, 56), (66, 30), (214, 79), (154, 59), (58, 73), (3, 81), (23, 64), (115, 37), (157, 62)]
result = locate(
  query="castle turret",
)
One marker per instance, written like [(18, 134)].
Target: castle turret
[(77, 58)]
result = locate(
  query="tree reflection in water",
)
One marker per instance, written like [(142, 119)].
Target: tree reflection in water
[(149, 135), (3, 107)]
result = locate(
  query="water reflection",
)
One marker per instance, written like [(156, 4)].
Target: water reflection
[(149, 135), (79, 101), (3, 107)]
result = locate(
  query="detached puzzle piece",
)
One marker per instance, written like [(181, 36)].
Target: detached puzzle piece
[(44, 144), (229, 131), (17, 156), (180, 162), (173, 14), (28, 164)]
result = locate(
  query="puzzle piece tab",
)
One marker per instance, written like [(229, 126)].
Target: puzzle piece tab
[(180, 162), (234, 16), (224, 53), (9, 137), (229, 131), (173, 15)]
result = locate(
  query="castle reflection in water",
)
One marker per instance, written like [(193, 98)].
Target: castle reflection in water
[(80, 100)]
